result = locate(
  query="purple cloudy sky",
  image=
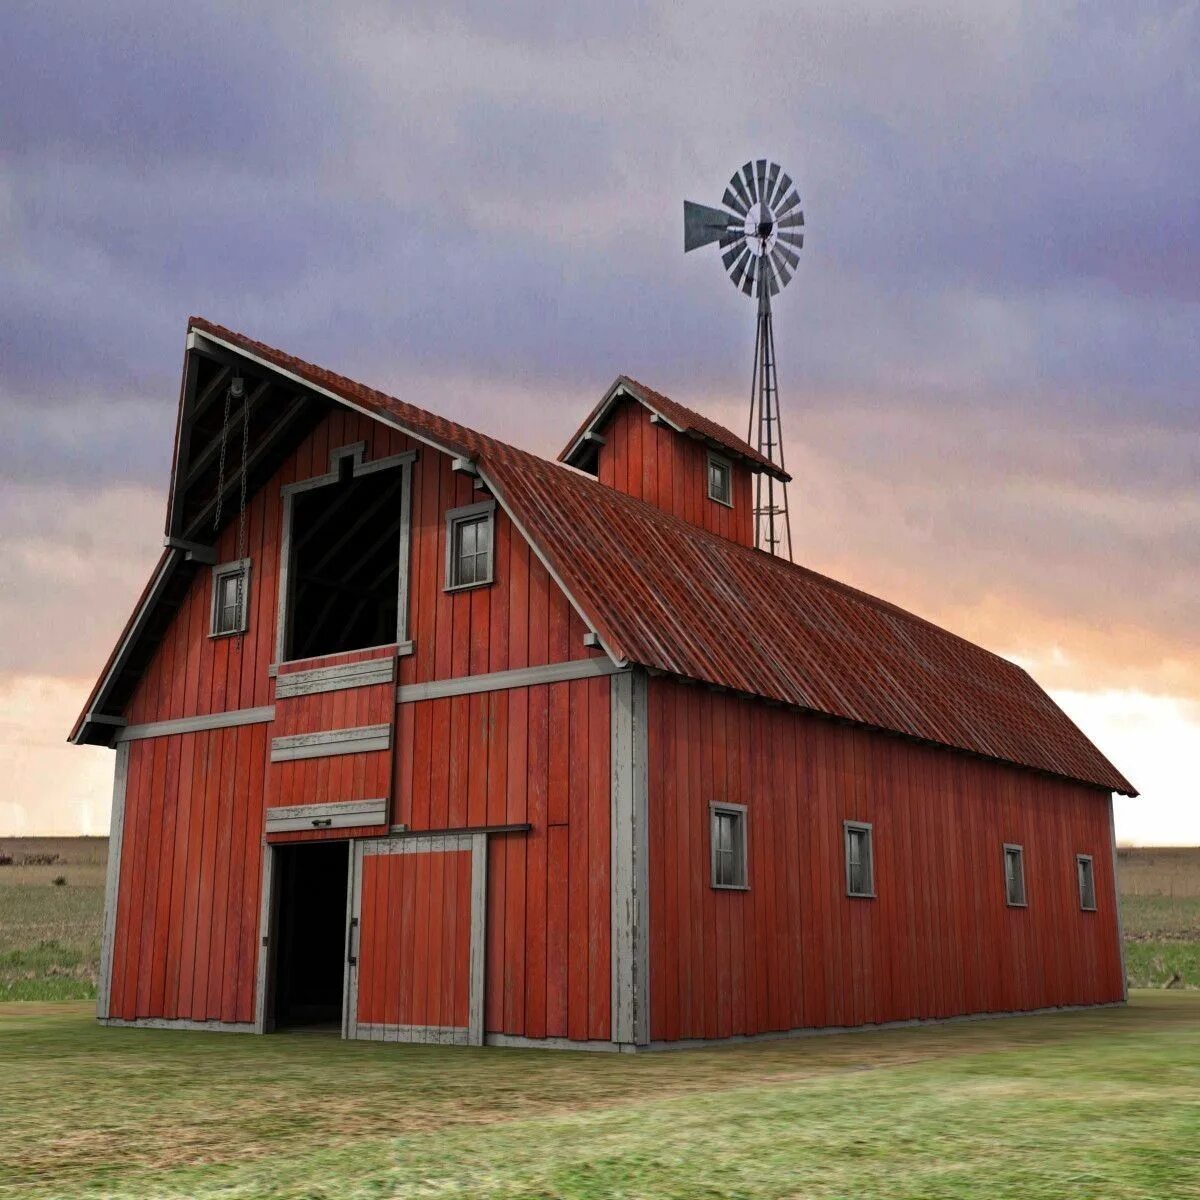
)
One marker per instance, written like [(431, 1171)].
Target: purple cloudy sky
[(989, 359)]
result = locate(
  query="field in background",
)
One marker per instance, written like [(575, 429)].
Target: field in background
[(1099, 1103), (50, 933)]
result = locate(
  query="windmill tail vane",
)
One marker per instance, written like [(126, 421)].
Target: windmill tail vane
[(758, 231)]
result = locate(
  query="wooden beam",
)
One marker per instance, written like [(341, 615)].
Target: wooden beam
[(265, 443), (250, 405)]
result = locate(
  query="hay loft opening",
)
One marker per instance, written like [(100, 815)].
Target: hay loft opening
[(345, 563)]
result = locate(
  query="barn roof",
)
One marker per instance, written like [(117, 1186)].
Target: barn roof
[(679, 417), (668, 595)]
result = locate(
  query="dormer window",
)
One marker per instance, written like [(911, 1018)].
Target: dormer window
[(720, 480), (231, 584)]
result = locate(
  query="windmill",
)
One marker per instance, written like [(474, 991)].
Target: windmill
[(758, 231)]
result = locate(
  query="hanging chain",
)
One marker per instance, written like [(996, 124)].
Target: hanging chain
[(221, 461)]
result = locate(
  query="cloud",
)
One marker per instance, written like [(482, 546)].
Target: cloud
[(988, 358)]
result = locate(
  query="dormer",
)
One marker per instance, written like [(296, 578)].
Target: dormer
[(644, 443)]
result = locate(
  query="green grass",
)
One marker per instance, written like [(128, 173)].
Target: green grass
[(1162, 939), (49, 937), (1102, 1103)]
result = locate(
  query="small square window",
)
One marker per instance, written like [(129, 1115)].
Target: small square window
[(860, 860), (230, 597), (1014, 876), (727, 833), (469, 545), (1087, 882), (720, 480)]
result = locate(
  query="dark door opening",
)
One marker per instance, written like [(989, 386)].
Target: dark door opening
[(310, 930)]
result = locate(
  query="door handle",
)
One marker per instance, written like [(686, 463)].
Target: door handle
[(320, 822)]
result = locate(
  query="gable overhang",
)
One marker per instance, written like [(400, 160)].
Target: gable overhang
[(188, 541), (583, 445)]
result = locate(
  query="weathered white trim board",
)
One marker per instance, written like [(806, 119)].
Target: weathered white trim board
[(359, 740), (116, 835), (177, 1023), (200, 724), (343, 814), (512, 1041), (442, 1035), (629, 844), (496, 681), (336, 678), (263, 973), (1112, 831)]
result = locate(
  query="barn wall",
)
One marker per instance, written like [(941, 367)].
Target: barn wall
[(186, 933), (538, 755), (670, 470), (523, 619), (795, 950), (194, 803)]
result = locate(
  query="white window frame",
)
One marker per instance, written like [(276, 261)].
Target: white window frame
[(866, 827), (459, 516), (221, 572), (1080, 859), (741, 862), (1019, 850), (721, 461)]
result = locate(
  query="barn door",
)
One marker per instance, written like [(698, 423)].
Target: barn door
[(416, 939)]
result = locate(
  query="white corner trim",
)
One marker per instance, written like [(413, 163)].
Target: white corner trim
[(629, 842), (112, 879)]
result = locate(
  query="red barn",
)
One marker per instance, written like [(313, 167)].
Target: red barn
[(421, 733)]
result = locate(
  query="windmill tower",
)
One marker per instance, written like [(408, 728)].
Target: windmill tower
[(758, 231)]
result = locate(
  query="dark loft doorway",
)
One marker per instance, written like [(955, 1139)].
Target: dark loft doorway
[(310, 925)]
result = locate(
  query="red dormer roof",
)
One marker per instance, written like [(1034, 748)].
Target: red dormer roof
[(684, 420)]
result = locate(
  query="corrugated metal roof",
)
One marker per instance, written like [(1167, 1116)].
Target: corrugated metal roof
[(681, 417), (671, 596)]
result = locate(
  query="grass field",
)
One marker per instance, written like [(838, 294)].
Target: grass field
[(1103, 1103)]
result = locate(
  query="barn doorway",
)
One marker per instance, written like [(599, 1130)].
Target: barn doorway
[(310, 934)]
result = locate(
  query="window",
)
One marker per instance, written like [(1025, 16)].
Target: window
[(720, 480), (1087, 882), (231, 585), (1014, 876), (860, 862), (469, 545), (728, 836)]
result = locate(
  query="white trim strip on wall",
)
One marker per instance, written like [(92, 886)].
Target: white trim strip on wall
[(221, 720), (367, 673), (343, 814), (495, 681), (359, 740)]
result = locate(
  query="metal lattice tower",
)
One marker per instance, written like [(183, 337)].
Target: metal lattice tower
[(758, 230)]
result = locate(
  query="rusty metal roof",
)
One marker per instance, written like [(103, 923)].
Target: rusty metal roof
[(671, 596), (678, 416)]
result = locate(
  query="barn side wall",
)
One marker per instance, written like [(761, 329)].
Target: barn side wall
[(795, 951), (670, 470), (186, 925)]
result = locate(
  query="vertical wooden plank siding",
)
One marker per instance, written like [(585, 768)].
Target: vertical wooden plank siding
[(199, 963), (794, 950), (670, 470)]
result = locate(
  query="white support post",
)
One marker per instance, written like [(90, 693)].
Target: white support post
[(116, 836)]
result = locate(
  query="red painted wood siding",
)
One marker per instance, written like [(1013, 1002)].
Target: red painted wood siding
[(414, 956), (795, 950), (537, 754), (340, 777), (523, 619), (186, 936), (670, 470)]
